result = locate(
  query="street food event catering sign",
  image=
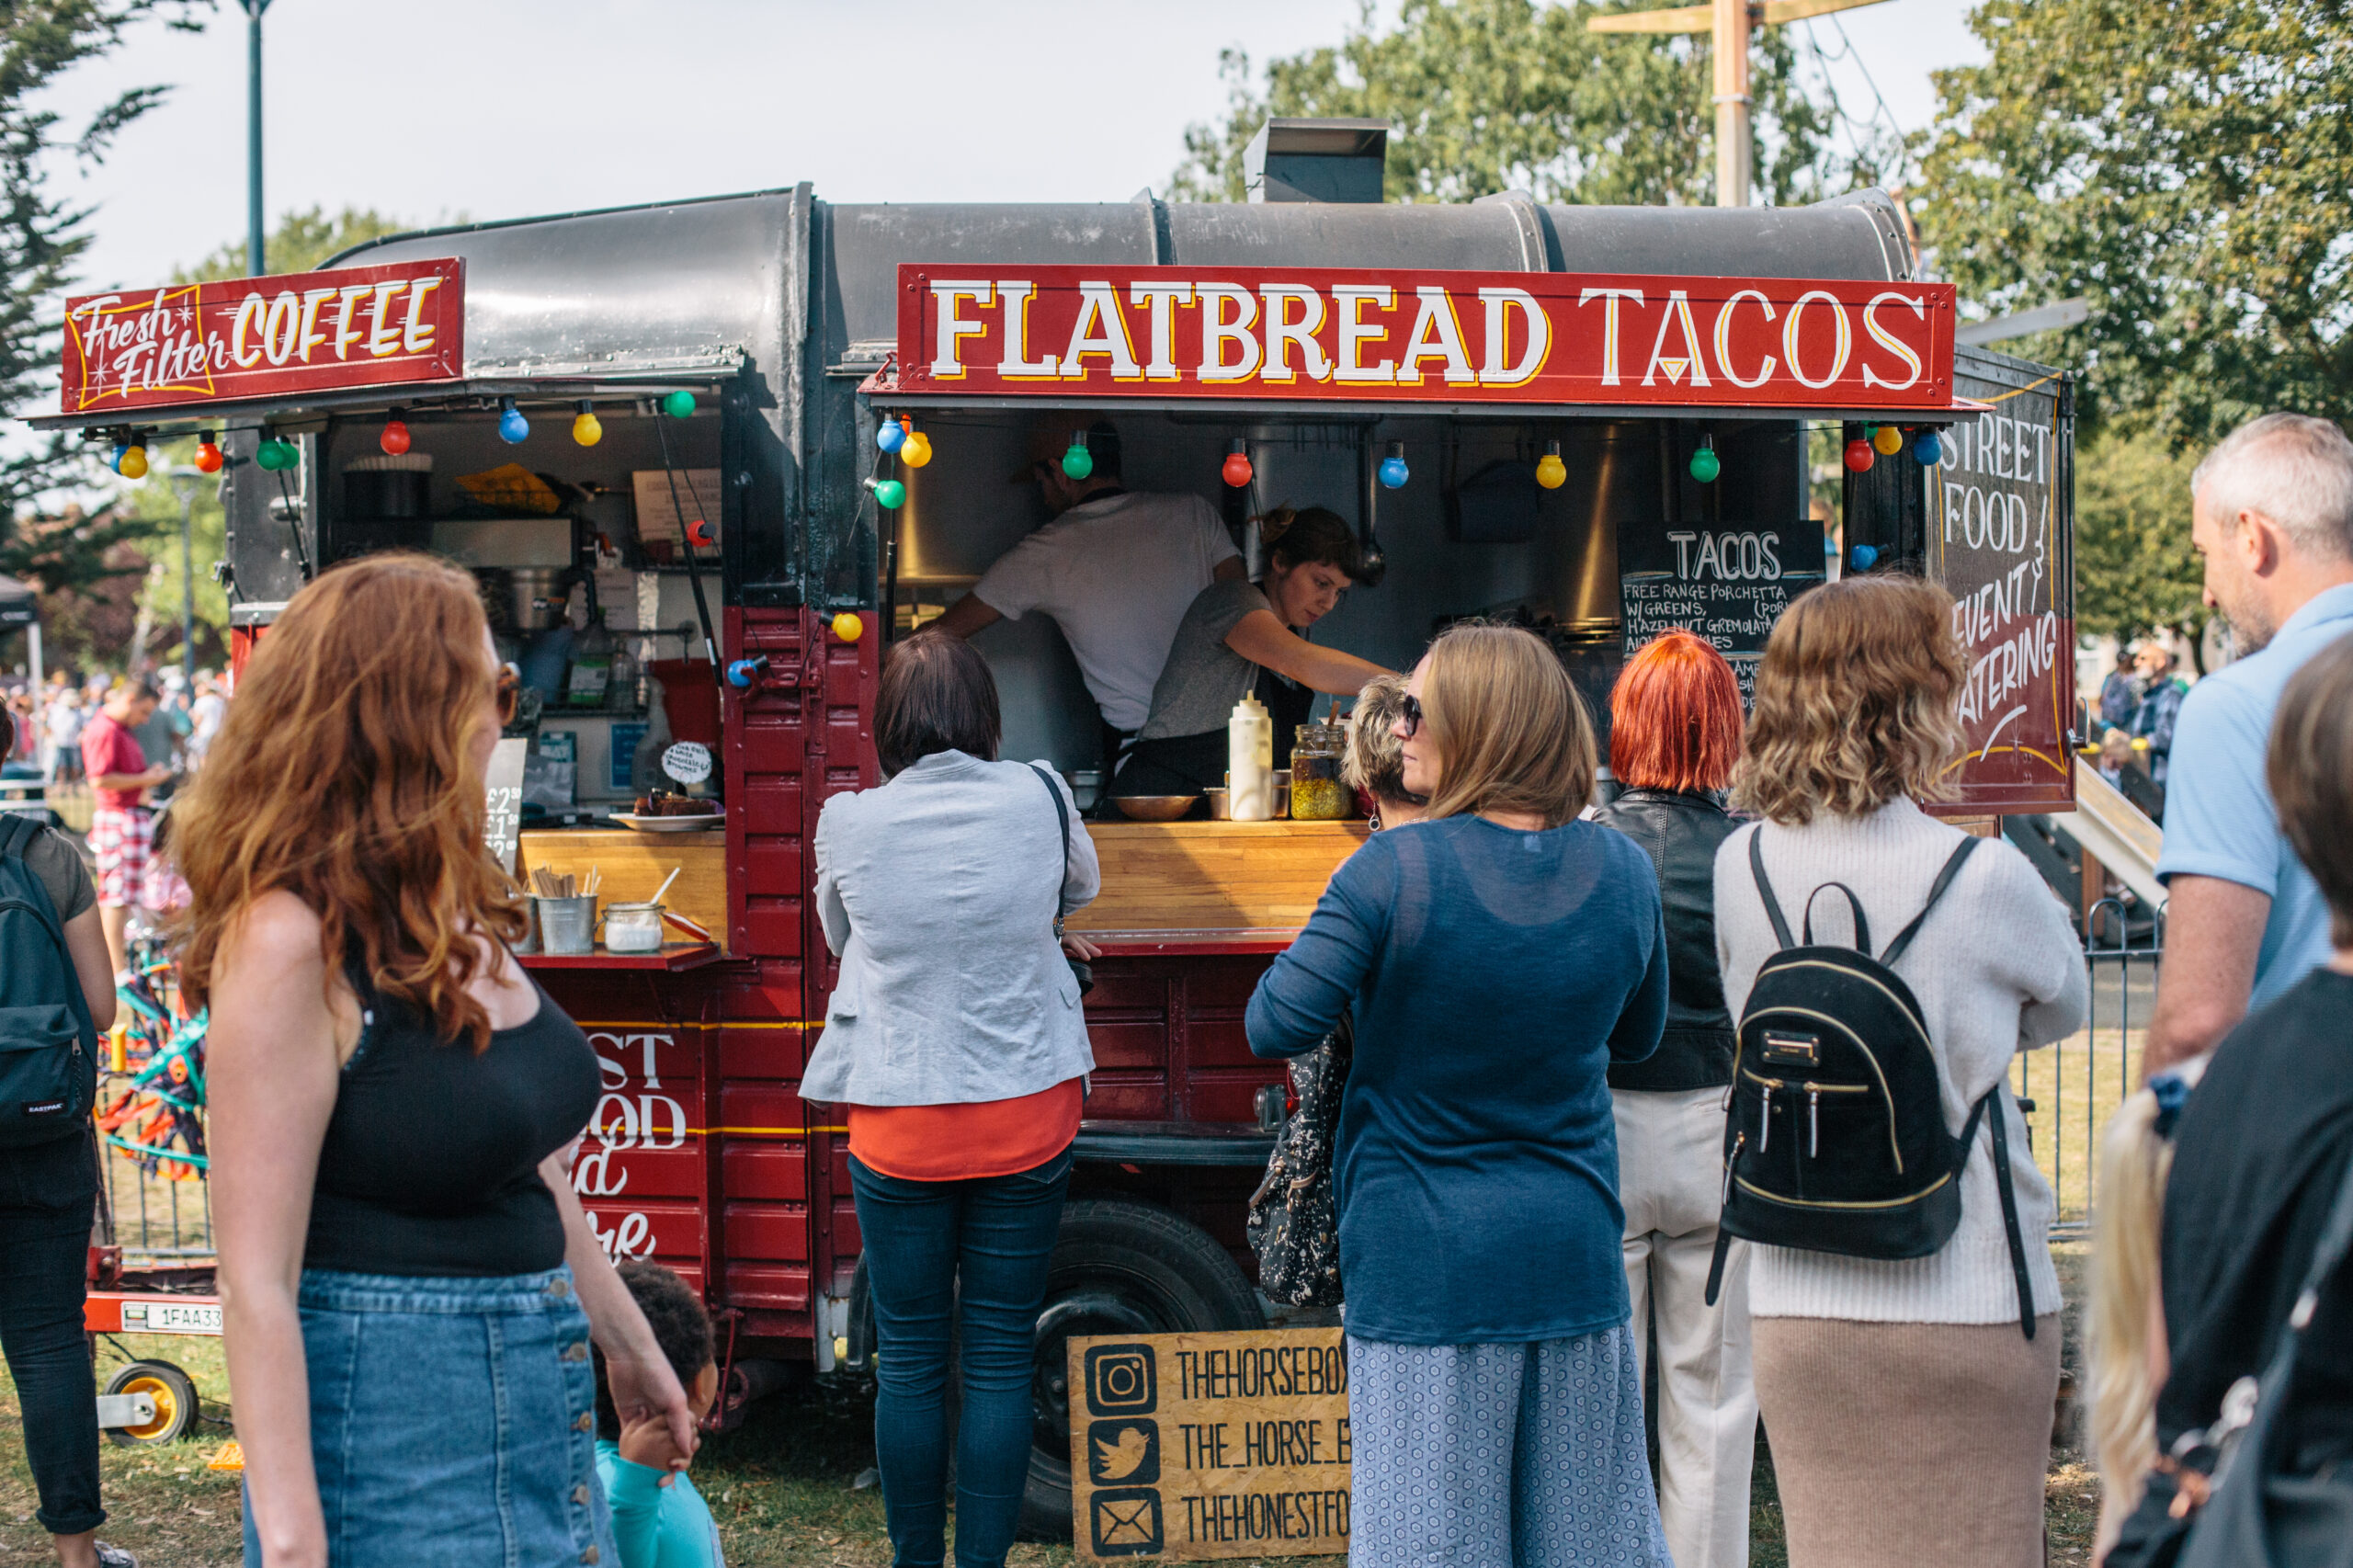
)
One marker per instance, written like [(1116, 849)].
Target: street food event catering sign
[(1425, 336), (251, 337), (1190, 1445)]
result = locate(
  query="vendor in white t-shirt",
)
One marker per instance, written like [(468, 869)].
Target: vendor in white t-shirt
[(1115, 569)]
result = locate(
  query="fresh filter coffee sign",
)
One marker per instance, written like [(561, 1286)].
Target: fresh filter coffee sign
[(1194, 1446)]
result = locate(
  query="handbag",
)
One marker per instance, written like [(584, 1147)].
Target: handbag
[(1083, 971), (2251, 1514), (1295, 1223)]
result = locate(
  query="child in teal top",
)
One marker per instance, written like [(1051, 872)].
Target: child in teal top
[(659, 1519)]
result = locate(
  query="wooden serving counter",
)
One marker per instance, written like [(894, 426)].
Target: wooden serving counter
[(1171, 881), (635, 864)]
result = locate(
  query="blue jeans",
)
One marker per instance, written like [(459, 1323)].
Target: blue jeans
[(453, 1422), (995, 1237), (47, 1197)]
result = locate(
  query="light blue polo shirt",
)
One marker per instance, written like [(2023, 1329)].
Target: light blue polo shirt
[(2220, 820)]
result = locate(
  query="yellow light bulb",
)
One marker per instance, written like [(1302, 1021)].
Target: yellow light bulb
[(916, 450), (588, 429), (1550, 471), (1888, 440), (134, 463), (848, 628)]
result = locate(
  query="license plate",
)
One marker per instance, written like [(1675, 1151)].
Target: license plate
[(171, 1317)]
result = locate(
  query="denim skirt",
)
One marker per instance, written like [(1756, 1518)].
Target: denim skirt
[(453, 1422)]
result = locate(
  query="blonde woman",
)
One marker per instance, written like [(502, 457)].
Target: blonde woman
[(2128, 1338), (1497, 957), (1911, 1419)]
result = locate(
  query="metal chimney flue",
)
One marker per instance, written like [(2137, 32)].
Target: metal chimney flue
[(1317, 160)]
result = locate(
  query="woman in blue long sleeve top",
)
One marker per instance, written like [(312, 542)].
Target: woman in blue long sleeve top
[(1498, 958)]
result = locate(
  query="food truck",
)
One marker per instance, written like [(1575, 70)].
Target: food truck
[(652, 431)]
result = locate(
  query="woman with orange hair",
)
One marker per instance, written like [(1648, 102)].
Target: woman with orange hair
[(1674, 737), (410, 1287)]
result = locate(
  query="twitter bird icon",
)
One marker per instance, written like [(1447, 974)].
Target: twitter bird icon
[(1124, 1451)]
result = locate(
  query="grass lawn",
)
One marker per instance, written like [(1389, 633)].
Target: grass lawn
[(783, 1486)]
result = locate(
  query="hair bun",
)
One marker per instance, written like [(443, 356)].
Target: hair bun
[(1275, 523)]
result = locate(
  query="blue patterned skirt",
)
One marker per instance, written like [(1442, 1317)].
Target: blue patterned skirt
[(1480, 1455)]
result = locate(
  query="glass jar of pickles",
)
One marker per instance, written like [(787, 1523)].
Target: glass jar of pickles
[(1316, 793)]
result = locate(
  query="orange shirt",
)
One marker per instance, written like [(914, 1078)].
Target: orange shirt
[(965, 1142)]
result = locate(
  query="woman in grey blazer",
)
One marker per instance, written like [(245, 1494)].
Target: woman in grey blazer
[(956, 1045)]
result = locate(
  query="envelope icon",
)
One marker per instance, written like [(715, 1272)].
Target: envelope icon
[(1125, 1522)]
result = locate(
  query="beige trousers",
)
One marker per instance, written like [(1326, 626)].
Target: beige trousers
[(1909, 1445), (1670, 1177)]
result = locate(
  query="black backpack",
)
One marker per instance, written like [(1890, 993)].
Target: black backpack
[(48, 1061), (1837, 1139)]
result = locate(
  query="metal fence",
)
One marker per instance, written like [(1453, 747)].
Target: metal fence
[(2075, 1085)]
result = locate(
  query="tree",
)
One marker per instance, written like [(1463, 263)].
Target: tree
[(304, 240), (2134, 570), (41, 238), (1487, 96), (2182, 165)]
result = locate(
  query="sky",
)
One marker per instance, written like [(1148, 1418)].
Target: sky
[(434, 110)]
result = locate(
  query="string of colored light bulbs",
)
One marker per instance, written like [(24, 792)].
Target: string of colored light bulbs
[(897, 437)]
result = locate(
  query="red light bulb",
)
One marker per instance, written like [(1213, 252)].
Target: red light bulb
[(395, 440), (1236, 469), (1859, 455), (208, 456), (699, 534)]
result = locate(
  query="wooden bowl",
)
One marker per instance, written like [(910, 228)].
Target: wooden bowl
[(1153, 808)]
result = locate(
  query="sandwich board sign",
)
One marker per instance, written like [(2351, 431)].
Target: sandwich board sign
[(1188, 1447)]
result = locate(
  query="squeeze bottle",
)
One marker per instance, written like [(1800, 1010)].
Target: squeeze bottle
[(1250, 762)]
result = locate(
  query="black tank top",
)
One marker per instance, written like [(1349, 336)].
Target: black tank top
[(430, 1162)]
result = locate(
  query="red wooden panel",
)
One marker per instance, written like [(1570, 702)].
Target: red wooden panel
[(1126, 1099), (772, 927), (760, 1053), (775, 1233), (772, 806), (776, 1171), (647, 1230), (774, 867), (1223, 982), (767, 1285), (1218, 1040), (1224, 1098), (770, 746), (1129, 984), (775, 993), (1141, 1045), (603, 1175), (775, 1110)]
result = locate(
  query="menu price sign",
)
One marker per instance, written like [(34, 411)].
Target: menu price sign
[(502, 830), (1727, 583), (1188, 1447)]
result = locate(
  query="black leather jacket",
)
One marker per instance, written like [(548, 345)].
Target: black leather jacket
[(1681, 833)]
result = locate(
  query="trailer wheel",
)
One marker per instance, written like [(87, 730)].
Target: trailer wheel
[(174, 1393), (1119, 1267)]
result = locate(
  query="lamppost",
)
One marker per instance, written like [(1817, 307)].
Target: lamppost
[(185, 481), (253, 235)]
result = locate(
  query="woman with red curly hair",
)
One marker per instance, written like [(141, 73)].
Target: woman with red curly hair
[(1674, 737), (410, 1287)]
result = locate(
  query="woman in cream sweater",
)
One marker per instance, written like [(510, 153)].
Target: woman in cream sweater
[(1911, 1419)]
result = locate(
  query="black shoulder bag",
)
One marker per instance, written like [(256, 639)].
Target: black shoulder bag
[(1079, 968)]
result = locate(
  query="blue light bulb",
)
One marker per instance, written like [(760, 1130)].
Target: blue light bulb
[(892, 436), (513, 429), (114, 458), (1393, 473), (1928, 448), (1863, 557)]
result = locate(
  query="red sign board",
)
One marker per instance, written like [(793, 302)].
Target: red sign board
[(1315, 334), (191, 344)]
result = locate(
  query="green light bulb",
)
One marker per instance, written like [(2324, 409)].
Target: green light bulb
[(1078, 462), (679, 405), (890, 495)]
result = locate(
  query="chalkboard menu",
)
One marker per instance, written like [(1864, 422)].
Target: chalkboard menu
[(503, 828), (1727, 583), (2000, 519)]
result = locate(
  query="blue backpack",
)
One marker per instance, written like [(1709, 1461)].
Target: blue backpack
[(49, 1045)]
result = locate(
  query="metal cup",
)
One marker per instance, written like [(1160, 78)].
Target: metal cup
[(568, 924)]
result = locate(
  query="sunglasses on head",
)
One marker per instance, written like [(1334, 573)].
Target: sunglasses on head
[(507, 691), (1409, 716)]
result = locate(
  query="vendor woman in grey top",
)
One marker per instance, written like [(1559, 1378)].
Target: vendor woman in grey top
[(1241, 638)]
